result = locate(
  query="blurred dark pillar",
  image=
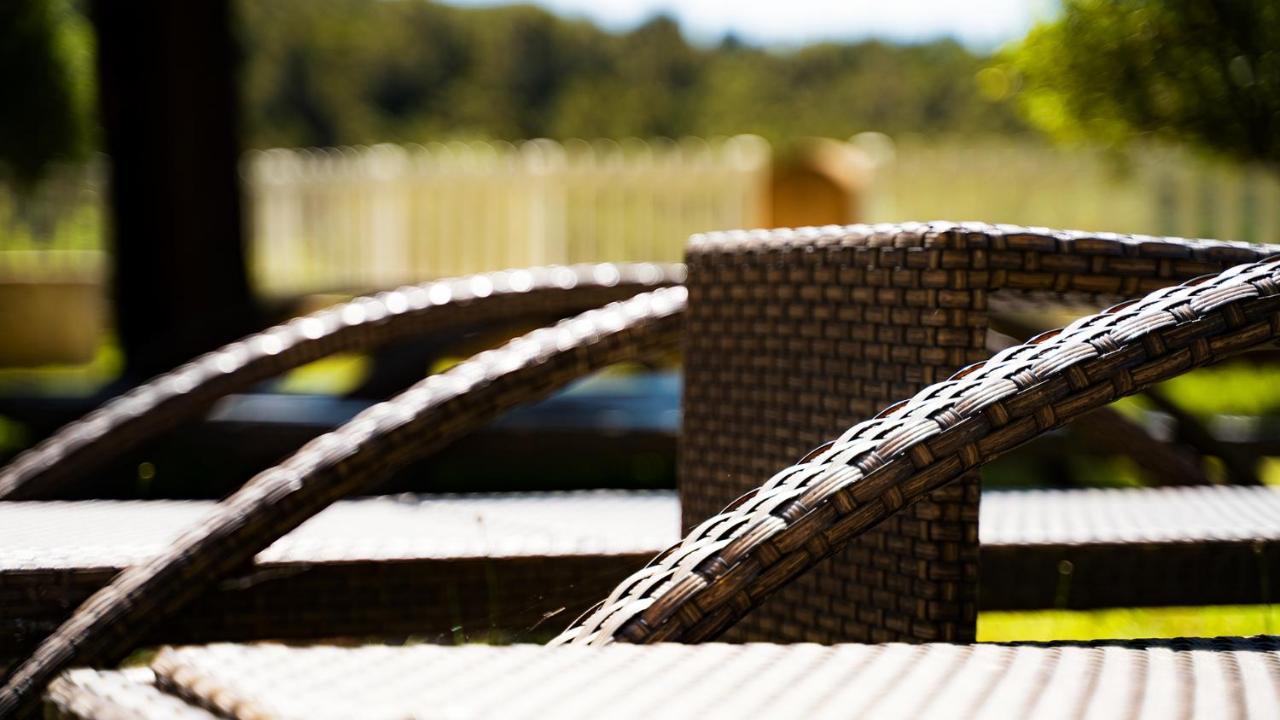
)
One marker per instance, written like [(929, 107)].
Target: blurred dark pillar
[(168, 99)]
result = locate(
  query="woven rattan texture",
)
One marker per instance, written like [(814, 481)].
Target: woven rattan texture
[(42, 536), (122, 695), (795, 335), (682, 596), (149, 409), (1164, 679), (806, 513), (1105, 516), (1084, 549), (423, 565), (384, 437)]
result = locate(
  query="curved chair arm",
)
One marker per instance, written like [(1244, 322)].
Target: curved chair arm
[(365, 322), (820, 328), (728, 564), (413, 424), (278, 500), (946, 254)]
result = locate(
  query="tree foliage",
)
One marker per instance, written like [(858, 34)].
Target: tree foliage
[(46, 64), (1205, 72), (334, 72), (325, 72)]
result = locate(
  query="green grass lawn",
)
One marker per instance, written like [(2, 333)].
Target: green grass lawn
[(1121, 623)]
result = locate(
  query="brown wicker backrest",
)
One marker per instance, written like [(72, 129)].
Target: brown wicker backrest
[(144, 412), (795, 335), (732, 562)]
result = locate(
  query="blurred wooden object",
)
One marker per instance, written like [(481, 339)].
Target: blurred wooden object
[(818, 182), (50, 312)]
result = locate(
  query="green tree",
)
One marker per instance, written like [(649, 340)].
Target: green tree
[(46, 68), (326, 72), (1204, 72), (646, 84)]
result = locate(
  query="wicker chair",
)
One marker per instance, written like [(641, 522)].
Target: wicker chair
[(375, 583), (366, 323), (439, 408), (54, 555)]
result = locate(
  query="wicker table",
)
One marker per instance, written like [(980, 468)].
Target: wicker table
[(910, 467), (465, 567), (1213, 679)]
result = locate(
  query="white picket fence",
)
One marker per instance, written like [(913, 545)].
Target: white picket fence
[(361, 218), (358, 218), (1155, 190)]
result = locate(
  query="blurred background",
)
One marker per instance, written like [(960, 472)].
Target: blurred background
[(174, 176)]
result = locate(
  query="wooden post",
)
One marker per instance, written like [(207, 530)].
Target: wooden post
[(168, 103), (819, 182)]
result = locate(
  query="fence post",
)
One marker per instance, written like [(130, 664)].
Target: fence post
[(388, 216), (544, 213), (818, 182)]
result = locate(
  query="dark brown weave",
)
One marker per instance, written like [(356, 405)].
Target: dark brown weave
[(725, 567), (378, 440), (735, 560), (443, 568), (447, 568), (144, 412), (1088, 549), (794, 335)]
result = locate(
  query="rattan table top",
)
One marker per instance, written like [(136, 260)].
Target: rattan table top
[(61, 535), (115, 533), (1158, 679)]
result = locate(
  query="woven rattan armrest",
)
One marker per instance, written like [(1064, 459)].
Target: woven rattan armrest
[(732, 561), (941, 260), (144, 412), (960, 255), (795, 335), (388, 435), (414, 423), (476, 566)]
